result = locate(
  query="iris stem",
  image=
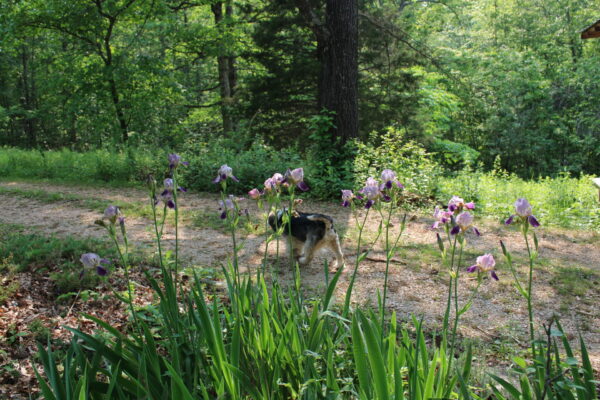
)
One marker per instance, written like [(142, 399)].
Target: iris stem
[(530, 294), (351, 285)]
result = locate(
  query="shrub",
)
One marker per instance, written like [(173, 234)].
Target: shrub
[(415, 167)]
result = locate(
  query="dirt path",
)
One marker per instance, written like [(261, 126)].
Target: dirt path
[(416, 284)]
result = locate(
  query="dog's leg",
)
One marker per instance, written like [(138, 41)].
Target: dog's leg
[(308, 250), (337, 249)]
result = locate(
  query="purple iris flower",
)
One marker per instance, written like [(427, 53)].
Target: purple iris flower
[(371, 192), (484, 263), (112, 213), (175, 160), (442, 217), (169, 184), (93, 261), (524, 212), (296, 177), (230, 204), (464, 221), (457, 204), (347, 197), (389, 180), (254, 194), (225, 172), (167, 197)]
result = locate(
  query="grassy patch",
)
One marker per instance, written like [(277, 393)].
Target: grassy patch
[(563, 201), (9, 283), (133, 209), (57, 257), (570, 282)]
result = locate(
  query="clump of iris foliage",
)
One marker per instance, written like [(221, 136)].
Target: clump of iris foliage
[(262, 340)]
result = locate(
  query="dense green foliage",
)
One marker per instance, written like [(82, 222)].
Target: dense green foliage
[(565, 200), (470, 80)]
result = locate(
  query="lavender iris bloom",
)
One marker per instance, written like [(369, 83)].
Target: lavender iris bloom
[(389, 180), (371, 192), (230, 204), (525, 213), (167, 198), (93, 260), (347, 197), (296, 177), (464, 221), (254, 194), (112, 213), (169, 184), (442, 217), (270, 184), (175, 160), (225, 172), (484, 263)]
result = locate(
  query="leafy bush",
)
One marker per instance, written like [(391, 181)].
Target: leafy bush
[(453, 155), (415, 167)]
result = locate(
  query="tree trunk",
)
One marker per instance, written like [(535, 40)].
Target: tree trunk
[(118, 107), (26, 99), (227, 73), (338, 86)]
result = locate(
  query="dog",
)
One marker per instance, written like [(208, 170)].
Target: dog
[(309, 233)]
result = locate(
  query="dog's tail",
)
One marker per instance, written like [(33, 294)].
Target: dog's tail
[(322, 218)]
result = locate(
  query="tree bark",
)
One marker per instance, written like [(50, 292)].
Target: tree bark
[(27, 93), (226, 66), (338, 86), (337, 49)]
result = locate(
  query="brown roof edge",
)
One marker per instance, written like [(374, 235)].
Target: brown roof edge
[(593, 31)]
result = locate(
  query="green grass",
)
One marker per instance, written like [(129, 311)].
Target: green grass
[(564, 201), (129, 208), (573, 281)]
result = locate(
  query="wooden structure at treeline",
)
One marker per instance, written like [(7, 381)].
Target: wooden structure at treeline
[(592, 31)]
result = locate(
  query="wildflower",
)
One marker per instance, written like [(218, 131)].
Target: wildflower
[(230, 204), (167, 198), (254, 194), (347, 197), (389, 179), (442, 217), (296, 177), (93, 260), (371, 182), (175, 160), (484, 263), (169, 184), (112, 213), (225, 172), (464, 221), (270, 184), (458, 204), (277, 178), (371, 191), (524, 211)]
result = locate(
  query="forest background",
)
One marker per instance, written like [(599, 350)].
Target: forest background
[(443, 86)]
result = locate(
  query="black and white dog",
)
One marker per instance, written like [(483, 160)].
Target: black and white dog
[(310, 233)]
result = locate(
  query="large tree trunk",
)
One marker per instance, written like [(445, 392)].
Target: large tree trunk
[(227, 73), (338, 85), (114, 93), (337, 49)]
